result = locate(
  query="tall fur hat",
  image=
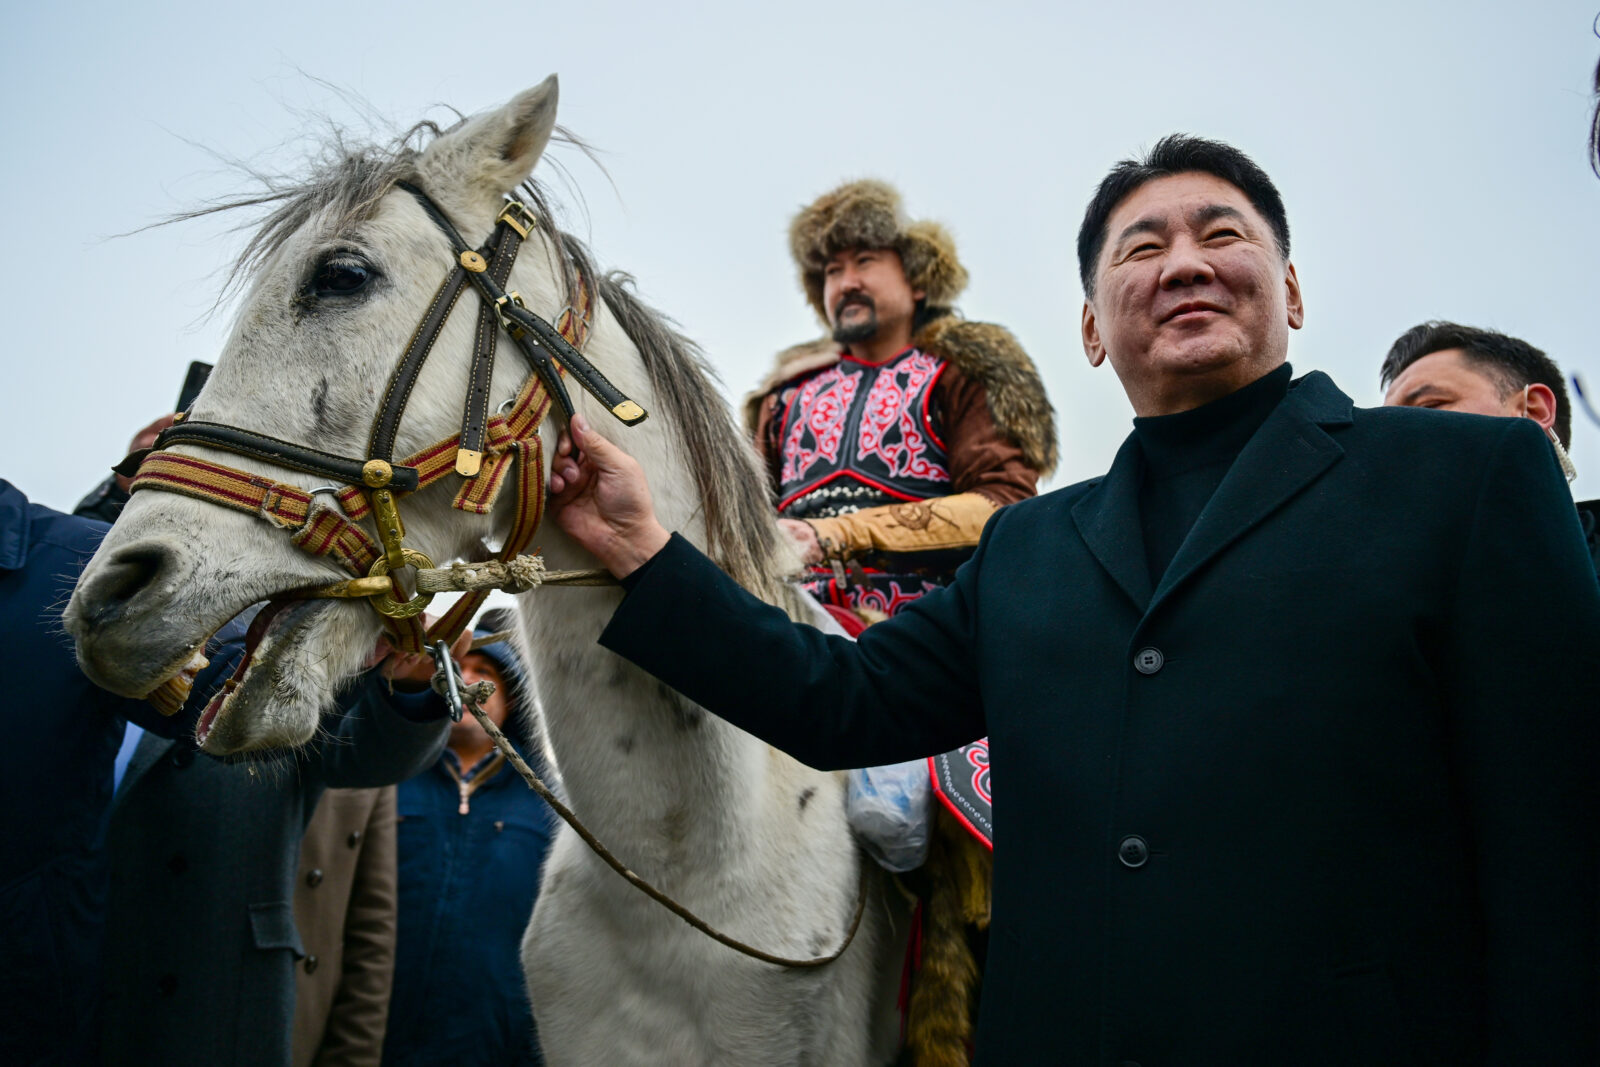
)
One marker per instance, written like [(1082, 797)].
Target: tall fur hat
[(868, 214)]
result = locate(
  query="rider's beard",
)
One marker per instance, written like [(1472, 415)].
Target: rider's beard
[(859, 329)]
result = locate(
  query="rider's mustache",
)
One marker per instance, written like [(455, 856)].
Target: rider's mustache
[(853, 298)]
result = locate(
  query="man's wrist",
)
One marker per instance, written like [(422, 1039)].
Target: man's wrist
[(637, 550)]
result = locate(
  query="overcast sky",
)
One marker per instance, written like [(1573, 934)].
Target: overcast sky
[(1432, 158)]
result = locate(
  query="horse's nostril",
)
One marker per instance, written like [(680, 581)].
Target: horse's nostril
[(126, 575)]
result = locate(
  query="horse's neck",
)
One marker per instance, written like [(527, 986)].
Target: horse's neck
[(644, 766)]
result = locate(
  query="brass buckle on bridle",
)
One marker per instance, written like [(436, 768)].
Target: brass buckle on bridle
[(512, 326), (519, 217)]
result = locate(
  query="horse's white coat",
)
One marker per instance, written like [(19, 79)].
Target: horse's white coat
[(748, 838)]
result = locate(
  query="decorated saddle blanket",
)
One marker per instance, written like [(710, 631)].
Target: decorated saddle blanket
[(961, 782)]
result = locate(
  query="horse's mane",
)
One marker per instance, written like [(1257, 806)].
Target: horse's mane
[(343, 183)]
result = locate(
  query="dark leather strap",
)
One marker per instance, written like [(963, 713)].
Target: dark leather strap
[(501, 254), (340, 469), (573, 361), (544, 337), (387, 423)]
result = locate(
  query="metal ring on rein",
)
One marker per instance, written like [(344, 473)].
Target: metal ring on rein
[(444, 678)]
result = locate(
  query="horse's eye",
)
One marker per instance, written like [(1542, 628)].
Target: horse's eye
[(340, 277)]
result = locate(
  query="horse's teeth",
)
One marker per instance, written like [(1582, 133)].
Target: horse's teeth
[(169, 696)]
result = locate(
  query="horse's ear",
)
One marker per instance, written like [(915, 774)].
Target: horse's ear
[(490, 154)]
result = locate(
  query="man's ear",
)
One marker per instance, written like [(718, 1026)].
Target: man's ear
[(1292, 300), (1092, 347), (1541, 405), (491, 154)]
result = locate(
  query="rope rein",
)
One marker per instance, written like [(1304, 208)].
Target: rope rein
[(516, 575), (472, 696)]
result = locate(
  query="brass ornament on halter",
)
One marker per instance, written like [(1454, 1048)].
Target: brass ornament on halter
[(349, 589), (474, 262), (386, 604), (376, 473), (391, 530)]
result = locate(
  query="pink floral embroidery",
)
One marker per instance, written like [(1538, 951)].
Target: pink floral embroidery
[(891, 405), (823, 406)]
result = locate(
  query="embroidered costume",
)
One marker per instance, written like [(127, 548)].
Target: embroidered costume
[(897, 466)]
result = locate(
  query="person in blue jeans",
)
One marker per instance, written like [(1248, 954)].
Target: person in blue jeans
[(472, 840)]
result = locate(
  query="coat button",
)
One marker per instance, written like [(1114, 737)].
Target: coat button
[(168, 984), (314, 877), (1133, 852), (1148, 660), (178, 863), (354, 839), (182, 757), (311, 965)]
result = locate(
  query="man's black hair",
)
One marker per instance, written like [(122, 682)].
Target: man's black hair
[(1510, 362), (1177, 153)]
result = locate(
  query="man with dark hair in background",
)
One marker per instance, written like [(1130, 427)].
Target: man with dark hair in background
[(1450, 367), (1270, 794)]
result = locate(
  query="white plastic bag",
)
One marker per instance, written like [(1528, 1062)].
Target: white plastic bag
[(890, 810)]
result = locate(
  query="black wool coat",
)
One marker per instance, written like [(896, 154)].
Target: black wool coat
[(1326, 796)]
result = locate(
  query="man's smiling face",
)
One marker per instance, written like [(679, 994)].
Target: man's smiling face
[(1192, 297)]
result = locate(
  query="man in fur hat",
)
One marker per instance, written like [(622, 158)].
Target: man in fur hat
[(889, 445)]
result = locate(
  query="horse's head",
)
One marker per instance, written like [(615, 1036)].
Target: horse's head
[(343, 272)]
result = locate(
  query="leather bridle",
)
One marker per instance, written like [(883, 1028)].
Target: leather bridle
[(483, 454), (487, 449)]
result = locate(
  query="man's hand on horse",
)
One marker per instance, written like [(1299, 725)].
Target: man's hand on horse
[(602, 500)]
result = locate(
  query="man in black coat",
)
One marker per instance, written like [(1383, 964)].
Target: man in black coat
[(1294, 704)]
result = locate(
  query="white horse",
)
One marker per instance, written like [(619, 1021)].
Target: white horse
[(752, 841)]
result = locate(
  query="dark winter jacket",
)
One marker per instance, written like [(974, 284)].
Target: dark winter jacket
[(1324, 795), (62, 734), (468, 881), (201, 943)]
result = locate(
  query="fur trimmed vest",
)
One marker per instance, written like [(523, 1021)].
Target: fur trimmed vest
[(982, 350)]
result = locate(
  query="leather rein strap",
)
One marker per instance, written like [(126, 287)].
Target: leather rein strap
[(484, 453)]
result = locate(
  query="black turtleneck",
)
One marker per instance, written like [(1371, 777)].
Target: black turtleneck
[(1186, 457)]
